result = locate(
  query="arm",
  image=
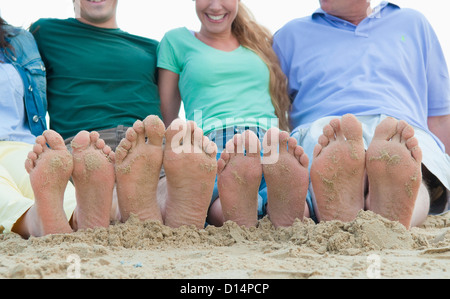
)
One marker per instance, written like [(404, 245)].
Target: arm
[(440, 126), (169, 94)]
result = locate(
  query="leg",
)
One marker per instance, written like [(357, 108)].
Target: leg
[(50, 169), (287, 178), (190, 165), (139, 158), (337, 170), (239, 177), (393, 163), (93, 178)]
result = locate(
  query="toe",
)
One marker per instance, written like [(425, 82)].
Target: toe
[(223, 161), (351, 127), (386, 129), (234, 145), (154, 129), (328, 132), (317, 150), (81, 141), (175, 133), (292, 145), (54, 140), (284, 138), (132, 136), (209, 147), (270, 142), (139, 131), (251, 143)]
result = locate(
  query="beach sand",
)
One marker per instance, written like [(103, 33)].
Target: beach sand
[(368, 247)]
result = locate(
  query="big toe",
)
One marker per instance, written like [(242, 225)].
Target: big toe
[(351, 127), (54, 140), (81, 141), (386, 129), (154, 129)]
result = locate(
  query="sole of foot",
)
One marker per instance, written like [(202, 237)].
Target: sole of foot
[(393, 163), (285, 168), (338, 170), (94, 179), (239, 178), (139, 159), (190, 166), (50, 166)]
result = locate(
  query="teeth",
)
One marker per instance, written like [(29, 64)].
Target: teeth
[(216, 18)]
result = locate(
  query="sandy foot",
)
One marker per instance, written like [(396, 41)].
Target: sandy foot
[(93, 178), (393, 163), (138, 164), (287, 178), (239, 177), (190, 165), (50, 168), (337, 171)]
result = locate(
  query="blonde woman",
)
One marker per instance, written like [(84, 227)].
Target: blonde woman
[(232, 87)]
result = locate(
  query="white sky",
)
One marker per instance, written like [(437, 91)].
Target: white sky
[(152, 18)]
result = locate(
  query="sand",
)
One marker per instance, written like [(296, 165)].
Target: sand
[(368, 247)]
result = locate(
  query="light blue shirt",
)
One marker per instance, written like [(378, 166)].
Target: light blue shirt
[(26, 60), (391, 63), (13, 126)]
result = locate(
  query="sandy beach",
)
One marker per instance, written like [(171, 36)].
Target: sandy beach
[(368, 247)]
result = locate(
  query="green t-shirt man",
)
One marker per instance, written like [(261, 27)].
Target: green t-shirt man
[(97, 78)]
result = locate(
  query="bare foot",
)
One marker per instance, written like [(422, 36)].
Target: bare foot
[(337, 171), (50, 169), (190, 165), (239, 177), (139, 158), (393, 163), (93, 178), (287, 178)]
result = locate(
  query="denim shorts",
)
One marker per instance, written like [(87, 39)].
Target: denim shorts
[(221, 137), (434, 159)]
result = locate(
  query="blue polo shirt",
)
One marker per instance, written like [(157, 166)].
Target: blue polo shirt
[(391, 63)]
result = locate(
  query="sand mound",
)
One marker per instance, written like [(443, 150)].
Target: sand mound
[(230, 251)]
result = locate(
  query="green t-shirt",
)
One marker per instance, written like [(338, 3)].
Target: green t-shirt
[(96, 78), (219, 89)]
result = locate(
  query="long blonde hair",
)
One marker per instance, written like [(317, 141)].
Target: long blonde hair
[(259, 39)]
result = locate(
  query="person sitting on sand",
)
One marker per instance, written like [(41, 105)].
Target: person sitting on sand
[(115, 93), (371, 106), (38, 199), (232, 87)]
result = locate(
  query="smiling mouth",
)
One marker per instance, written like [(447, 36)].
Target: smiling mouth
[(96, 1), (216, 18)]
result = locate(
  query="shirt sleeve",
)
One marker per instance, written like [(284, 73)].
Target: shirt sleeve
[(285, 66), (167, 58), (437, 77)]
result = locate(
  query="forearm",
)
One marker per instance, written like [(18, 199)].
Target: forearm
[(169, 95)]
